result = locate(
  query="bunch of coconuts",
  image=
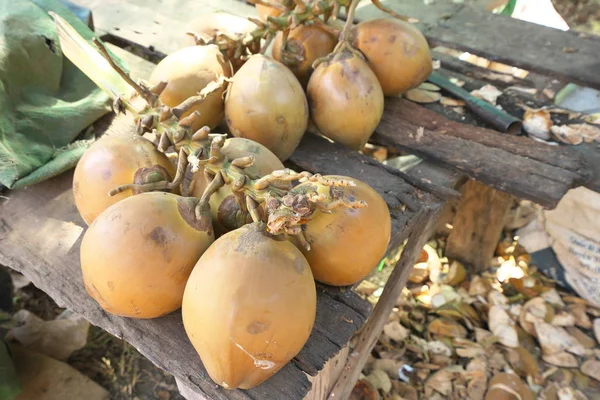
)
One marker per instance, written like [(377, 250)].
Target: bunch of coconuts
[(319, 69)]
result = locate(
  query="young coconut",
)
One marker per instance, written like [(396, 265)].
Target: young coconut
[(137, 255), (303, 46), (273, 8), (344, 243), (345, 97), (396, 51), (266, 103), (116, 160), (223, 204), (187, 72), (229, 32), (249, 306)]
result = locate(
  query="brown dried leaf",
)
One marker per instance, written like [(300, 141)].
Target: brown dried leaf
[(597, 329), (447, 327), (554, 339), (591, 368), (581, 318), (569, 393), (534, 310), (456, 274), (562, 359), (537, 123), (479, 286), (366, 287), (448, 101), (563, 319), (395, 331), (581, 337), (380, 380), (482, 336), (531, 91), (467, 348), (389, 365), (476, 388), (429, 86), (496, 298), (551, 296), (489, 93), (422, 96), (497, 362), (437, 347), (502, 326), (523, 362), (506, 386), (364, 390), (566, 134), (419, 273), (405, 391), (441, 382)]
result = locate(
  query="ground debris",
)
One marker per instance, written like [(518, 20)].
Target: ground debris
[(506, 333)]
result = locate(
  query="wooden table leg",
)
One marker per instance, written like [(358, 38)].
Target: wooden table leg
[(368, 336), (478, 224)]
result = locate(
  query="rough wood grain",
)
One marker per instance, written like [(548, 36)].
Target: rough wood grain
[(566, 55), (478, 224), (392, 290), (480, 154)]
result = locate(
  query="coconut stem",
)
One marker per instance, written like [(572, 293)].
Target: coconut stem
[(285, 175), (252, 206), (150, 97), (394, 14), (193, 101), (345, 35), (268, 40)]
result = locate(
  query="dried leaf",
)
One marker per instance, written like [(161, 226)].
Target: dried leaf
[(389, 365), (551, 296), (534, 310), (489, 93), (482, 336), (441, 382), (568, 393), (502, 326), (395, 331), (591, 368), (437, 347), (563, 319), (508, 386), (528, 286), (531, 91), (597, 329), (447, 327), (456, 274), (479, 286), (592, 118), (566, 134), (555, 340), (537, 123), (523, 362), (581, 318), (419, 273), (476, 388), (581, 337), (562, 359), (366, 287), (448, 101), (429, 86), (364, 390), (422, 96), (380, 380), (405, 391), (457, 82), (497, 362), (496, 298)]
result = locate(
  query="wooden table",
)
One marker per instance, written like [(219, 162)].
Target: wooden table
[(40, 229)]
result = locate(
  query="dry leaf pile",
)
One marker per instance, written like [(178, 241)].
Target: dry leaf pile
[(508, 334)]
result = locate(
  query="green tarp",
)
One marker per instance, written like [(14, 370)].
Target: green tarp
[(45, 101)]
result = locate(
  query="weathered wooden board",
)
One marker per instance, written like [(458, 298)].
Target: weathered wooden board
[(157, 26), (566, 55), (478, 224), (504, 162)]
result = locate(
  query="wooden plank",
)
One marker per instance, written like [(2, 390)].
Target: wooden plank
[(322, 384), (478, 224), (157, 26), (566, 55), (40, 233), (479, 153), (391, 292)]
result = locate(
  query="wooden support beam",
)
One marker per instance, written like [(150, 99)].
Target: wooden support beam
[(478, 224), (368, 336)]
